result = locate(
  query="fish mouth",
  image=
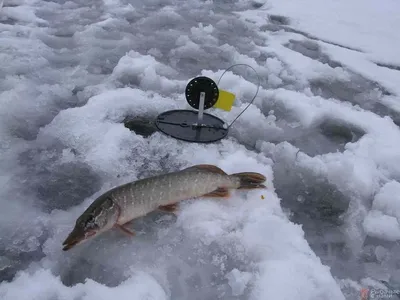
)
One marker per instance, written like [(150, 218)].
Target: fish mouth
[(75, 238), (69, 245), (72, 240)]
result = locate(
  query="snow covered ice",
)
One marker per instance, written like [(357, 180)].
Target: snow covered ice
[(324, 129)]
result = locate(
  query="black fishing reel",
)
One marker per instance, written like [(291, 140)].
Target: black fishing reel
[(195, 126)]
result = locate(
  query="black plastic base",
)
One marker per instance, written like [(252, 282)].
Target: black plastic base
[(179, 124)]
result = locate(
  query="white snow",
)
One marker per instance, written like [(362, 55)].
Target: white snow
[(238, 281), (44, 285), (384, 218), (379, 225), (360, 24), (71, 72), (388, 199)]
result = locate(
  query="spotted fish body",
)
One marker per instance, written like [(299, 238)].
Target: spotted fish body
[(124, 203), (141, 197)]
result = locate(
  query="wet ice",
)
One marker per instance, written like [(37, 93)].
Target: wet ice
[(74, 73)]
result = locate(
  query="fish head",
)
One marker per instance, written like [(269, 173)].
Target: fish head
[(99, 217)]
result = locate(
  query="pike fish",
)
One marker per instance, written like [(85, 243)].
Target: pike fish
[(120, 205)]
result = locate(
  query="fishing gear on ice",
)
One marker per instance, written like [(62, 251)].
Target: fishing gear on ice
[(201, 94)]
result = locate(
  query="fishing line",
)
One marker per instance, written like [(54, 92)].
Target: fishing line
[(252, 100), (197, 126)]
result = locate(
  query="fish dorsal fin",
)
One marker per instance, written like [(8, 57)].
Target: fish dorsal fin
[(209, 168)]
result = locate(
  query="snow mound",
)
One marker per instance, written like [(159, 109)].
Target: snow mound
[(383, 220), (324, 126)]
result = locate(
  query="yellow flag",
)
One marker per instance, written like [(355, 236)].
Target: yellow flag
[(225, 100)]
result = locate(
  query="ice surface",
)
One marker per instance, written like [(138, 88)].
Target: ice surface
[(324, 129), (347, 23)]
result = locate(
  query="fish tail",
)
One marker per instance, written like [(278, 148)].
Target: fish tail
[(250, 180)]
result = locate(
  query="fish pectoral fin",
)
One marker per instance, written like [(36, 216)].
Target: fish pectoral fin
[(126, 230), (210, 168), (218, 193), (169, 208)]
